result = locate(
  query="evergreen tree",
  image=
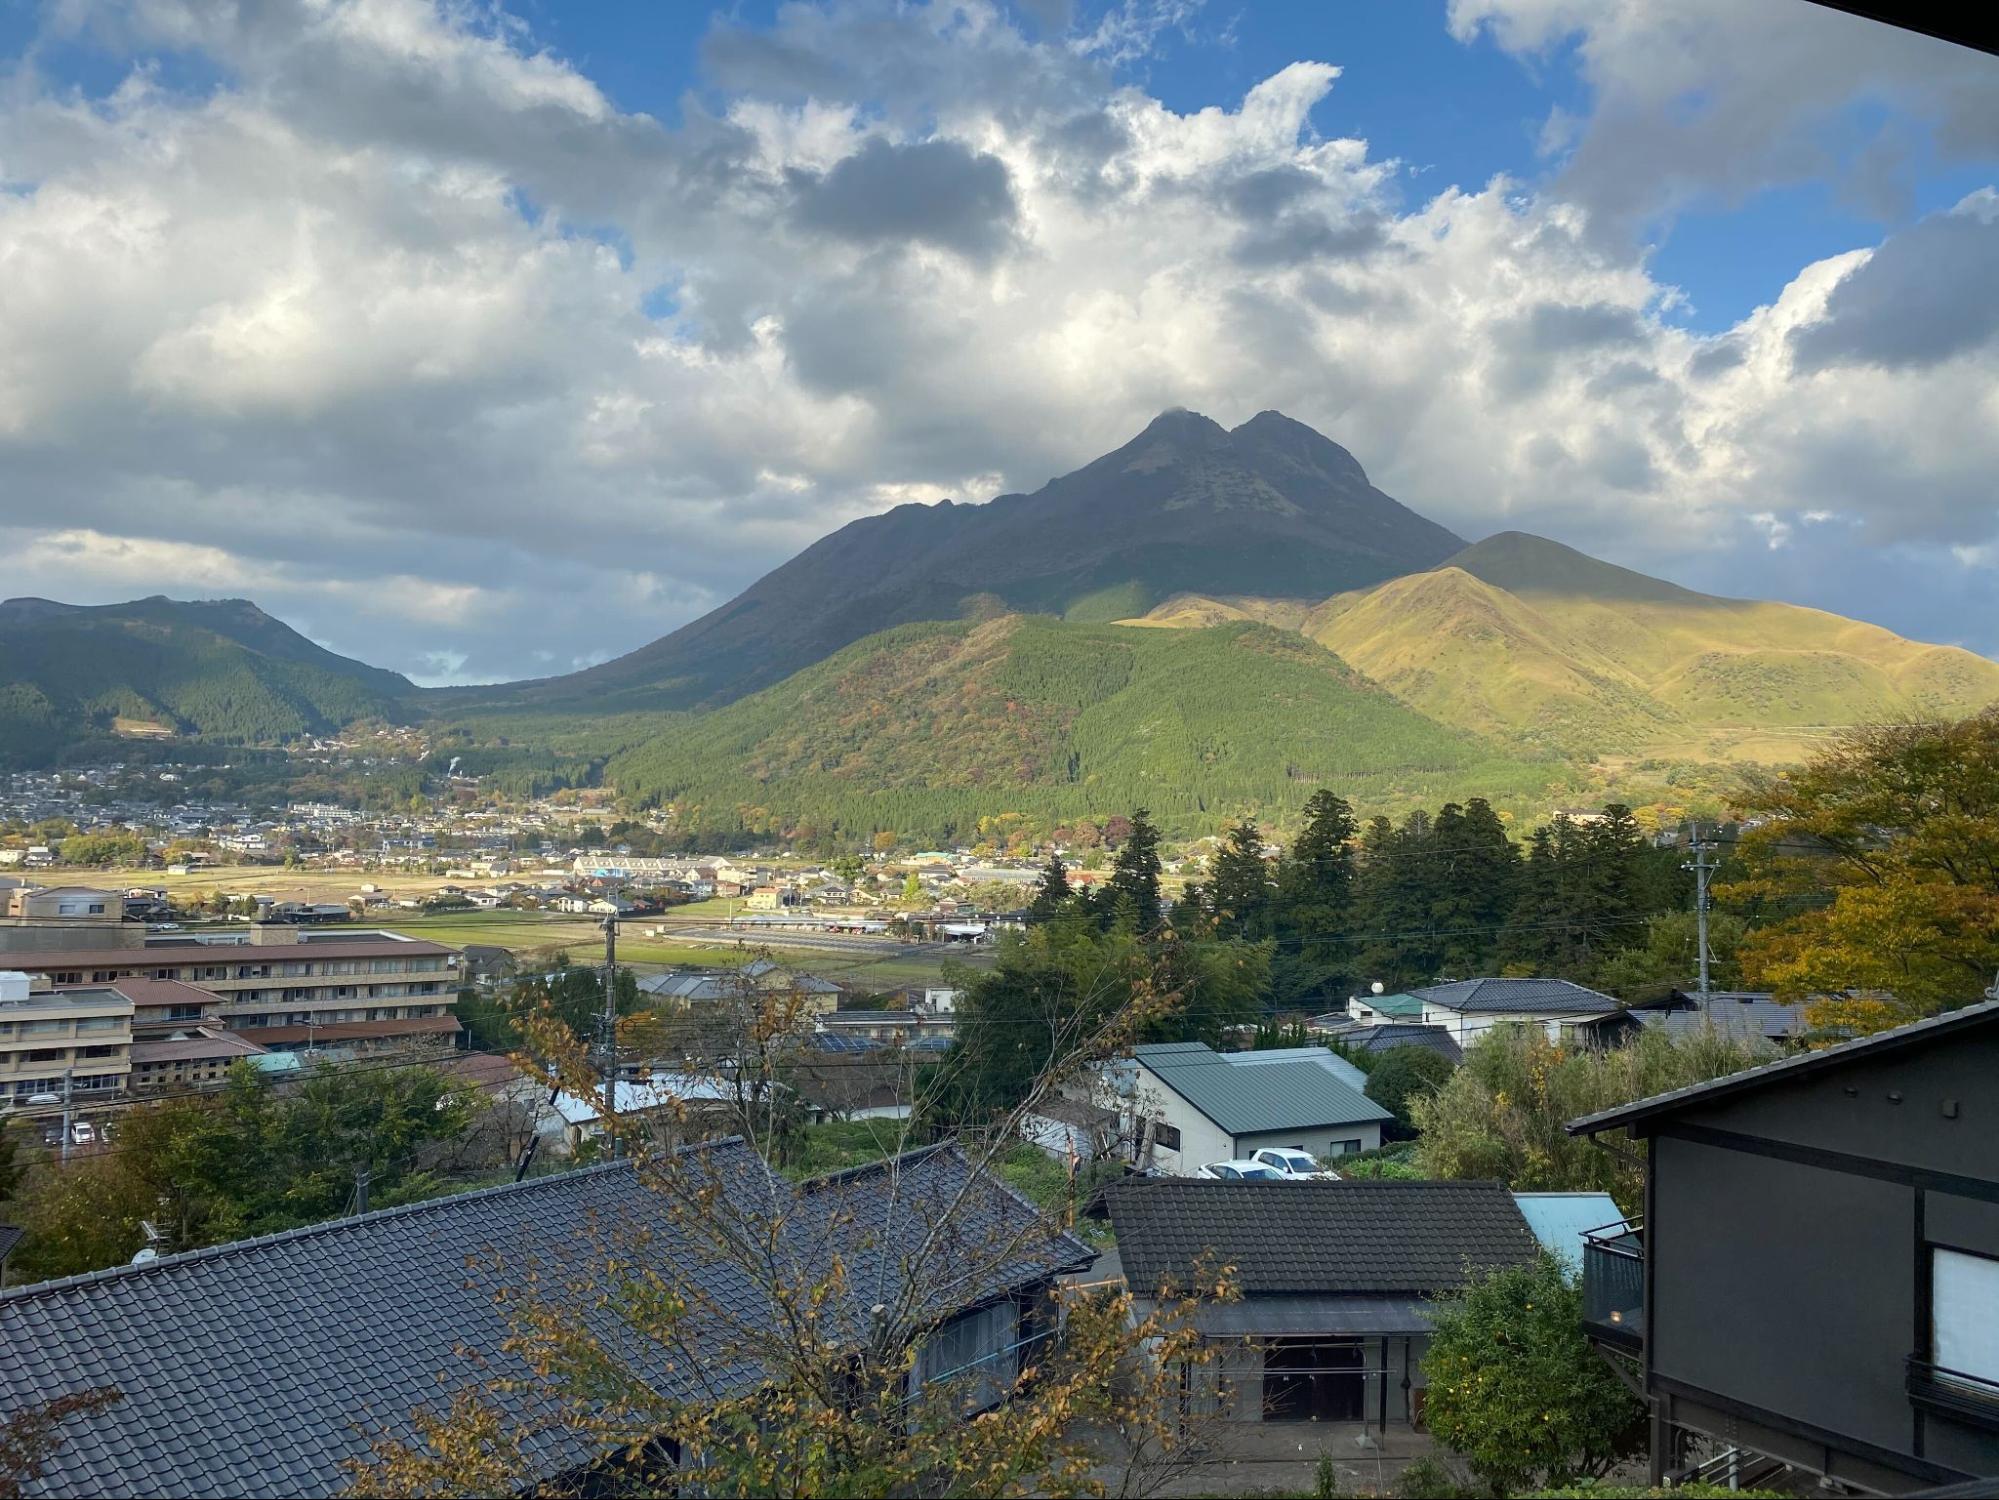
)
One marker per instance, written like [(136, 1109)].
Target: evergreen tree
[(1533, 940), (1314, 910), (1052, 894), (1240, 894), (1135, 876), (1475, 889), (1398, 887)]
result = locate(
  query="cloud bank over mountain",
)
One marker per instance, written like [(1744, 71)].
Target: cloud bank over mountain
[(390, 319)]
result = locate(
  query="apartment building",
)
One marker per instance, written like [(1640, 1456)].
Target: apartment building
[(179, 1040), (46, 1034), (284, 989)]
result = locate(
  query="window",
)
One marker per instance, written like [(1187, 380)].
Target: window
[(1166, 1137), (1345, 1148), (1964, 1313)]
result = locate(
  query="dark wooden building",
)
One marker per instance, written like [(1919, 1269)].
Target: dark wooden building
[(1816, 1275)]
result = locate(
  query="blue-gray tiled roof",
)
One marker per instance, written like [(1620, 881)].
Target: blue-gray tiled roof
[(1316, 1238), (1500, 997), (260, 1368)]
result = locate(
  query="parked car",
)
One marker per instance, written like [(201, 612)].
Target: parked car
[(83, 1133), (1241, 1171), (1289, 1161)]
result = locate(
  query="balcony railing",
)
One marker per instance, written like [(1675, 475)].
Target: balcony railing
[(1953, 1393), (1614, 1283)]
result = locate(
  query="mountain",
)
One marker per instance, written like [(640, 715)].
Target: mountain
[(221, 668), (1270, 508), (1533, 641), (928, 727)]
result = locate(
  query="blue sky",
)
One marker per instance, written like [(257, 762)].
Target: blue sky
[(707, 284), (1450, 111)]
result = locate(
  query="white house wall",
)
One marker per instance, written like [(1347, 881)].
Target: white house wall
[(1321, 1140)]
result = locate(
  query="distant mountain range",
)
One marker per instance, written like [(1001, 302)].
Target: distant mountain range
[(1210, 621), (222, 669)]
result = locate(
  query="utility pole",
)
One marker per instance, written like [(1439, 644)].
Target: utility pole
[(609, 1049), (1702, 869), (362, 1176), (68, 1079)]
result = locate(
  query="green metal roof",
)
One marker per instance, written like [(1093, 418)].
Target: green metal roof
[(1250, 1101), (1398, 1004)]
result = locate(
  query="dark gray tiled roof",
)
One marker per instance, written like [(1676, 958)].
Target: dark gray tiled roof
[(1916, 1033), (1731, 1012), (1317, 1238), (258, 1368), (1499, 997), (1249, 1100), (1388, 1035)]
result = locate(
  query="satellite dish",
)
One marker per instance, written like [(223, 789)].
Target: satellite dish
[(1376, 986), (145, 1255)]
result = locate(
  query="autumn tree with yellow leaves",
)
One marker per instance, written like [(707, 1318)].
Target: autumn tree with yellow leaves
[(1874, 875)]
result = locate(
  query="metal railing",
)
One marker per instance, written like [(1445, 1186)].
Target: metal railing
[(1614, 1282), (1953, 1393)]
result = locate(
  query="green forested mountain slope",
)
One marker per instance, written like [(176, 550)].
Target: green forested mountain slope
[(222, 669), (928, 727)]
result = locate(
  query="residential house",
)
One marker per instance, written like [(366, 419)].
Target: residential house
[(1389, 1036), (887, 1025), (80, 903), (1074, 1130), (487, 963), (1468, 1008), (1749, 1015), (1335, 1282), (683, 1103), (1371, 1010), (308, 1347), (693, 988), (1191, 1105), (1815, 1278)]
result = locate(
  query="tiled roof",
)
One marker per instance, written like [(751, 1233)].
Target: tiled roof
[(1246, 1101), (1499, 997), (1916, 1033), (1732, 1012), (1327, 1238), (198, 1043), (1389, 1035), (258, 1368)]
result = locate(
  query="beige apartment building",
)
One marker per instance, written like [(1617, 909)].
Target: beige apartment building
[(286, 989), (47, 1034)]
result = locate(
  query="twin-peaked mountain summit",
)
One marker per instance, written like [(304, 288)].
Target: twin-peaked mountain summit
[(1269, 508), (1206, 619)]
